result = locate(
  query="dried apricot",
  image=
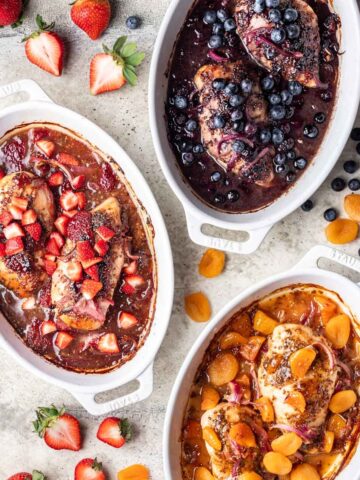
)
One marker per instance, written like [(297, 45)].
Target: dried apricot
[(337, 330), (277, 463), (242, 324), (337, 424), (301, 360), (212, 263), (342, 230), (232, 339), (249, 476), (352, 206), (264, 405), (329, 438), (192, 430), (287, 444), (202, 473), (223, 369), (297, 401), (263, 323), (209, 397), (134, 472), (197, 307), (342, 401), (212, 439), (323, 462), (245, 384), (327, 308), (242, 434), (304, 472), (252, 348)]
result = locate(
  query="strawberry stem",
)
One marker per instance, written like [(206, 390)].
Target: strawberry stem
[(125, 429), (45, 417), (42, 26)]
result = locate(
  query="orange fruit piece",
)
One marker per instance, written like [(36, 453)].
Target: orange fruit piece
[(134, 472), (209, 398), (212, 263), (242, 434), (342, 230), (352, 206), (197, 307)]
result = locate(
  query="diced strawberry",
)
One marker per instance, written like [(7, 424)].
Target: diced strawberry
[(16, 212), (60, 242), (78, 182), (131, 268), (89, 263), (90, 288), (5, 218), (2, 173), (63, 340), (2, 250), (108, 343), (13, 230), (61, 224), (85, 250), (81, 200), (46, 146), (44, 295), (50, 257), (34, 230), (134, 280), (20, 202), (50, 267), (52, 247), (14, 246), (80, 227), (101, 247), (29, 217), (114, 431), (127, 289), (56, 179), (47, 327), (70, 213), (28, 303), (73, 270), (93, 272), (67, 159), (68, 200), (127, 320), (105, 233)]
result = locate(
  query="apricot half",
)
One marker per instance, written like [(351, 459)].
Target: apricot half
[(342, 230), (263, 323), (329, 438), (212, 439), (337, 330), (202, 473), (212, 263), (264, 405), (209, 397), (252, 348), (342, 401), (327, 308), (197, 307), (134, 472), (352, 206), (242, 434), (287, 444), (231, 340), (249, 476), (304, 472), (301, 360), (277, 463), (297, 401), (223, 369), (337, 424)]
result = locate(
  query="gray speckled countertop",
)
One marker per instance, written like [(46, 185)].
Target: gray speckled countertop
[(122, 115)]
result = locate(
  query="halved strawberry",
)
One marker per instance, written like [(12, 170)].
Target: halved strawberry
[(56, 179), (63, 340), (134, 280), (13, 230), (52, 247), (20, 202), (90, 288), (14, 246), (78, 182), (35, 475), (101, 247), (48, 326), (131, 268), (89, 469), (93, 272), (29, 217), (46, 146), (127, 320), (93, 261), (114, 431), (81, 200), (92, 16), (73, 270), (60, 242), (34, 230), (108, 343), (85, 250), (61, 224), (2, 250), (28, 303), (67, 159), (45, 48), (50, 267), (5, 218), (16, 212), (105, 233), (60, 430), (68, 200), (127, 289)]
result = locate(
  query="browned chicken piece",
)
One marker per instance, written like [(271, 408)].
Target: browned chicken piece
[(221, 143), (71, 308), (22, 272), (295, 59)]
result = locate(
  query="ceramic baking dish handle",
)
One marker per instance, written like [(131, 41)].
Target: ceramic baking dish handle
[(312, 258), (144, 390), (28, 86), (245, 247)]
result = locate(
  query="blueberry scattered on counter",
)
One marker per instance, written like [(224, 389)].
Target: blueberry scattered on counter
[(354, 184), (180, 102), (187, 158), (215, 177), (191, 125), (210, 17), (307, 206), (330, 214), (355, 134), (320, 117), (311, 131), (215, 41), (338, 184), (133, 22), (233, 196), (350, 166)]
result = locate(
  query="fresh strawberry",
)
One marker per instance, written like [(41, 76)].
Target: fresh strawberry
[(81, 200), (29, 217), (92, 272), (5, 218), (10, 11), (112, 69), (91, 262), (58, 239), (2, 250), (16, 212), (73, 270), (60, 430), (127, 289), (89, 469), (46, 146), (50, 267), (35, 475), (101, 247), (20, 202), (47, 327), (114, 431), (78, 182), (56, 179), (45, 49), (85, 250), (67, 159), (14, 246), (90, 288), (105, 233), (92, 16), (71, 213), (131, 268), (108, 343), (52, 247), (68, 200), (63, 340), (127, 320), (28, 303), (13, 230), (50, 257), (61, 223), (80, 227), (34, 230), (134, 280)]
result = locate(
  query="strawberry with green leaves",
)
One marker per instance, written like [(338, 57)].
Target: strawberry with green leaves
[(114, 431), (35, 475), (111, 70), (89, 469)]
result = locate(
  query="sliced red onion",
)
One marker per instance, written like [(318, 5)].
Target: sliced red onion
[(329, 352), (236, 394), (234, 136), (305, 433), (235, 469), (262, 435), (231, 163), (256, 385), (235, 448), (286, 53), (216, 57), (344, 367), (299, 456), (310, 317), (257, 31)]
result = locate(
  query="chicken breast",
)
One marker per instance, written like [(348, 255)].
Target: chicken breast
[(251, 164), (277, 383), (295, 59)]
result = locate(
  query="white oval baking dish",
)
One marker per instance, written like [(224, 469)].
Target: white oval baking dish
[(306, 271), (256, 224), (39, 108)]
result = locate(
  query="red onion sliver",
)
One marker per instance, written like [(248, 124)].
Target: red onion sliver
[(328, 350), (216, 57), (306, 434), (345, 367), (256, 385), (286, 53)]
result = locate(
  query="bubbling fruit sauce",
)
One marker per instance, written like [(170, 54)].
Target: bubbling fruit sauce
[(278, 147), (77, 267)]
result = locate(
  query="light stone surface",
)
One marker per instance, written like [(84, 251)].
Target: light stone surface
[(124, 116)]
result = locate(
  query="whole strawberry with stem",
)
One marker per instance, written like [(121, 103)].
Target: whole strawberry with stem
[(89, 469), (10, 11), (35, 475), (44, 48), (92, 16), (111, 70), (60, 430)]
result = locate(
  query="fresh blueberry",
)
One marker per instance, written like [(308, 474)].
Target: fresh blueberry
[(330, 214), (236, 115), (222, 14), (238, 146), (133, 22), (295, 87), (267, 83), (320, 117), (185, 146), (198, 148), (215, 41), (290, 111), (277, 136), (233, 196), (219, 121), (246, 85), (290, 177), (270, 53), (180, 102), (218, 84), (287, 144), (281, 169), (215, 177), (355, 134), (191, 125), (229, 24), (293, 31), (231, 88), (279, 159), (209, 17), (326, 96), (338, 184), (278, 35), (291, 155), (350, 166), (187, 158), (265, 135), (218, 28), (300, 163), (274, 99), (307, 206), (259, 6), (272, 3), (236, 100), (291, 15), (286, 97), (277, 112), (238, 126), (354, 184), (274, 15), (219, 198), (311, 131)]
